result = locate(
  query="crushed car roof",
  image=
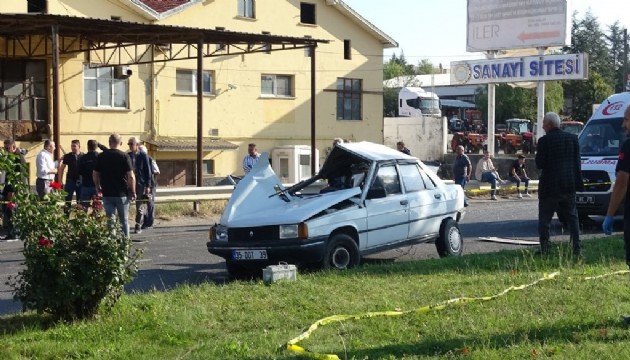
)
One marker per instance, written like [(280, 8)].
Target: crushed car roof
[(376, 152)]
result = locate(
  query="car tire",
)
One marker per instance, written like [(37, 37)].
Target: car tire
[(450, 242), (342, 252), (237, 271)]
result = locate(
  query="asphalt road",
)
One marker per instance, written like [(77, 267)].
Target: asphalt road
[(175, 251)]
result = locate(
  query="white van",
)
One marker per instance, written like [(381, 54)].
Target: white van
[(600, 143)]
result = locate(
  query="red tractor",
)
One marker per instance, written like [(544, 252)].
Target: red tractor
[(518, 136), (472, 142), (573, 127)]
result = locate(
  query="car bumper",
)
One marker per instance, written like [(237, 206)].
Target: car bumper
[(300, 251)]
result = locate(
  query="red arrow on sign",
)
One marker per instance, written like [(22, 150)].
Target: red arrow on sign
[(538, 35)]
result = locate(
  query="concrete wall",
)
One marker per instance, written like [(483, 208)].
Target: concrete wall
[(423, 136)]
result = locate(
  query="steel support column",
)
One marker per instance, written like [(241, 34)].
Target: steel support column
[(55, 91), (313, 103)]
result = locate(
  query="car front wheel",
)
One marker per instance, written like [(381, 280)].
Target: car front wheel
[(342, 252), (450, 242)]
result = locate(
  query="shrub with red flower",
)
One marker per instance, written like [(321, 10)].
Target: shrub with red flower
[(55, 185), (43, 242), (11, 206), (73, 263)]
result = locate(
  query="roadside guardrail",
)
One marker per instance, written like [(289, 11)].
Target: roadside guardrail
[(223, 192)]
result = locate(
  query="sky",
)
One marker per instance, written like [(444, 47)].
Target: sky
[(436, 29)]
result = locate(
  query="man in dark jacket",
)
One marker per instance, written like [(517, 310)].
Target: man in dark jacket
[(85, 168), (558, 159), (144, 180)]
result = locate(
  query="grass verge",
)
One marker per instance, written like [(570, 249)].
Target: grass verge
[(565, 318)]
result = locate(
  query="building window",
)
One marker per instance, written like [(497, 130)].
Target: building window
[(267, 46), (246, 8), (349, 93), (276, 85), (102, 90), (186, 82), (36, 6), (307, 13), (347, 50), (208, 167)]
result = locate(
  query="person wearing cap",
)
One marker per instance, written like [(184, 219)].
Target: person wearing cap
[(518, 175)]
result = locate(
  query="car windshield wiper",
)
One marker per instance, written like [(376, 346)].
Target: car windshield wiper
[(281, 192)]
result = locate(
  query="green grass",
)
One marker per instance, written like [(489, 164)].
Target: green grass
[(565, 318), (168, 211)]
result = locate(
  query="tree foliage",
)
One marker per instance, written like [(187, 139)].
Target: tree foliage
[(606, 59)]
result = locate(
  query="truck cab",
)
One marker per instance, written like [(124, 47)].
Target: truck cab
[(600, 143), (415, 102)]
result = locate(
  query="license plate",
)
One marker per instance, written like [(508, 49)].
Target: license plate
[(249, 254), (584, 200)]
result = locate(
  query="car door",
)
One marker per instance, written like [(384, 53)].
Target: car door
[(387, 208), (427, 205)]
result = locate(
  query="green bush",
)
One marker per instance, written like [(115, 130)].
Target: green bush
[(73, 262)]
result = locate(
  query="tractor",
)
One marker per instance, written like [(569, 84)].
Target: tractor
[(472, 142), (518, 136), (573, 127)]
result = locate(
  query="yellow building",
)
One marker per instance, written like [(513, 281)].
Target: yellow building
[(262, 97)]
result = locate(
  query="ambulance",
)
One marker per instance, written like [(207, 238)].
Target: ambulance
[(600, 143)]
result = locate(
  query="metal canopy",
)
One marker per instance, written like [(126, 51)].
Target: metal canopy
[(110, 42)]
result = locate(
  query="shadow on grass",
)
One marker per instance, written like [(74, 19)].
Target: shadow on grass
[(167, 279), (536, 337), (608, 249)]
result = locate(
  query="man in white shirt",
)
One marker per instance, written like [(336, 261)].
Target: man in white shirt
[(251, 158), (46, 169), (486, 172)]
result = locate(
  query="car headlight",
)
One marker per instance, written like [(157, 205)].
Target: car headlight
[(294, 231), (218, 233)]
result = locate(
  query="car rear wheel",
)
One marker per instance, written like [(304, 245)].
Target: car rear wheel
[(342, 252), (450, 242)]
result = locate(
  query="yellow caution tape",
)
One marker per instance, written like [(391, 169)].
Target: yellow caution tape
[(292, 345), (606, 275)]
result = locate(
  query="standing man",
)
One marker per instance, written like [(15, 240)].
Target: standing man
[(251, 158), (621, 190), (85, 168), (462, 168), (402, 148), (46, 169), (73, 182), (558, 159), (113, 176), (142, 171), (8, 191), (149, 218)]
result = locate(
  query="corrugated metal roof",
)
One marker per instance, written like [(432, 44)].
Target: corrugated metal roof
[(189, 144)]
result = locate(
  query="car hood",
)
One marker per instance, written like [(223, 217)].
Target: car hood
[(259, 199)]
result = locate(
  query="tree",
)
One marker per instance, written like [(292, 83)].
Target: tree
[(515, 102), (615, 40), (425, 67), (585, 93)]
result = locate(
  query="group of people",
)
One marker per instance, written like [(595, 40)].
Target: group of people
[(560, 177), (116, 176)]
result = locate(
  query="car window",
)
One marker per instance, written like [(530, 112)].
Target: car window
[(388, 176), (428, 182), (411, 177)]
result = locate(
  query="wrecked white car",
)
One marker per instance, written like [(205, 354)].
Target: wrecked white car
[(376, 199)]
